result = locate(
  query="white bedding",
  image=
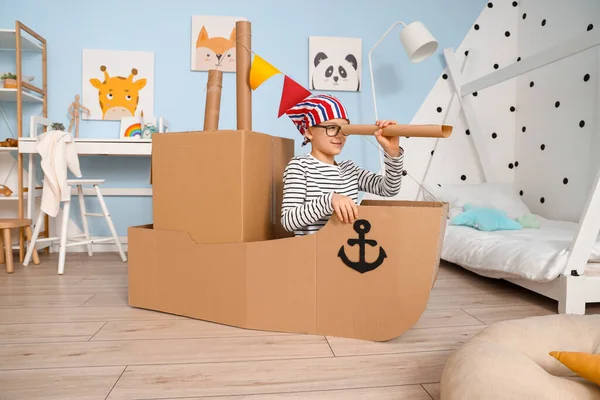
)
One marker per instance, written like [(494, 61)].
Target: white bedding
[(533, 254)]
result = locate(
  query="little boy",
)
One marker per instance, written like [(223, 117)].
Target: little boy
[(315, 185)]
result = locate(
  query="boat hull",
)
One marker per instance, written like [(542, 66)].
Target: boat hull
[(312, 284)]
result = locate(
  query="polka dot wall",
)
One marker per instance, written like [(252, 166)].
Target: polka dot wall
[(557, 145), (537, 129)]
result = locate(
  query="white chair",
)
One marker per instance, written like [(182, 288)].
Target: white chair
[(76, 239)]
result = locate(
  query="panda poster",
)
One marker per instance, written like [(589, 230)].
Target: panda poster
[(335, 63)]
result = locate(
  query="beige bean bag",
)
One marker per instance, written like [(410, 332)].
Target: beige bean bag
[(510, 360)]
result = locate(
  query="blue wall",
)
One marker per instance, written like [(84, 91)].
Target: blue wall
[(281, 38)]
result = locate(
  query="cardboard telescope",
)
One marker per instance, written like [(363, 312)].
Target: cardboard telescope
[(432, 131)]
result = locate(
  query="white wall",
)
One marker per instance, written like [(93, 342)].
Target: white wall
[(554, 148)]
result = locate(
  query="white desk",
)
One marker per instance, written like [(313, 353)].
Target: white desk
[(87, 146), (107, 147), (101, 147)]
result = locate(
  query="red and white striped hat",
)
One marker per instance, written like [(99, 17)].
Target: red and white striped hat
[(314, 110)]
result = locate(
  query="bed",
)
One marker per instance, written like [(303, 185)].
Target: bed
[(534, 254), (560, 259)]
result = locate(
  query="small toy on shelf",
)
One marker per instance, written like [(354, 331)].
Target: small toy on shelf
[(9, 143), (4, 190), (57, 126), (74, 113), (148, 128)]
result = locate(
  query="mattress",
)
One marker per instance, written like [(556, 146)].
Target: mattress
[(533, 254)]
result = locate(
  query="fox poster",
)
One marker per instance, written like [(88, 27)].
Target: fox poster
[(213, 43)]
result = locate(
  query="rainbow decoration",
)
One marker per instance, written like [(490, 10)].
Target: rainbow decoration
[(134, 130)]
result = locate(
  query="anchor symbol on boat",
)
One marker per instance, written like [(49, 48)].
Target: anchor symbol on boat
[(362, 227)]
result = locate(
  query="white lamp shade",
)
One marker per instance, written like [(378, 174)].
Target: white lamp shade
[(418, 42)]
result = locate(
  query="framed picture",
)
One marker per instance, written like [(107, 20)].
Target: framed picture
[(117, 84), (138, 127), (335, 63), (213, 43)]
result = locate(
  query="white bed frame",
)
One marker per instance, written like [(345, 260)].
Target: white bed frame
[(576, 286)]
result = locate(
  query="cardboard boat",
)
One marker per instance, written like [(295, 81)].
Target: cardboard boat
[(317, 284), (217, 251)]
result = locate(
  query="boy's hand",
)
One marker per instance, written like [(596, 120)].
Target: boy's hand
[(391, 144), (345, 208)]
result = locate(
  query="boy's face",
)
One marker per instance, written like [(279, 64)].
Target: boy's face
[(327, 137)]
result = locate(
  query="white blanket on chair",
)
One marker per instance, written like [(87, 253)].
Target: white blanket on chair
[(58, 153)]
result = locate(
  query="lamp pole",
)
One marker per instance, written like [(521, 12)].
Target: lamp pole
[(381, 163), (371, 62)]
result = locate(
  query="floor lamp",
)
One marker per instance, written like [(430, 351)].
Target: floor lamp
[(418, 44)]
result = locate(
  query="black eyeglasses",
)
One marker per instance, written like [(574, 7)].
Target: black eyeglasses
[(331, 130)]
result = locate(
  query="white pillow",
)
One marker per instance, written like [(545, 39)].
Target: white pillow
[(501, 196)]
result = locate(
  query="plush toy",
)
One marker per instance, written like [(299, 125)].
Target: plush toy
[(485, 219), (529, 221), (583, 364)]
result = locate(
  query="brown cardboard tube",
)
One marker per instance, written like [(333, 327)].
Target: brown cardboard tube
[(243, 56), (213, 100), (433, 131)]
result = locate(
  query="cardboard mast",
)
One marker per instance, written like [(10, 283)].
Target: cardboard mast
[(243, 49), (213, 100)]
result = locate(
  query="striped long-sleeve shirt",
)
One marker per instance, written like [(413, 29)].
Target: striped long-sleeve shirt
[(309, 184)]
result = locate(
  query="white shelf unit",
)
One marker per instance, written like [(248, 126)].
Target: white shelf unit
[(19, 40), (8, 40), (11, 95)]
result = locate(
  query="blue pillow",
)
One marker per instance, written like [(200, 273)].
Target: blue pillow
[(485, 219)]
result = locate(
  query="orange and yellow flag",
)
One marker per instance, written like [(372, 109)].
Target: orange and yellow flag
[(260, 71)]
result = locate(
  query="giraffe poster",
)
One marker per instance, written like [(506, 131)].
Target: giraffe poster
[(213, 43), (117, 83)]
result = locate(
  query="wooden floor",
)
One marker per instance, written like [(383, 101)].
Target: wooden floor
[(75, 337)]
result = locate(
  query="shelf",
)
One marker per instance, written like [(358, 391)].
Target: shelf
[(11, 95), (8, 149), (8, 41), (112, 147), (15, 196)]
